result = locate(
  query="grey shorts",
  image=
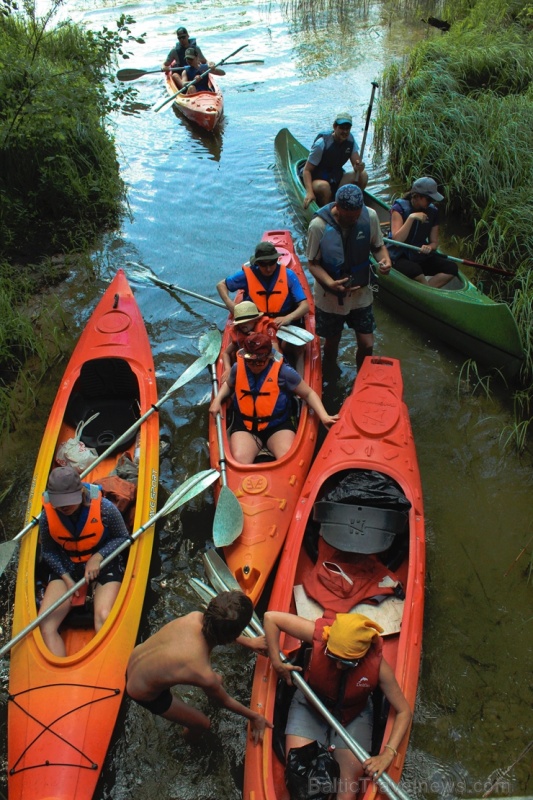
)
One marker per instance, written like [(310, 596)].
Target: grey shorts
[(304, 721), (361, 320)]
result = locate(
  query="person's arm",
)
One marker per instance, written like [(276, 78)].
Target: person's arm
[(382, 256), (376, 765), (203, 59), (223, 291), (274, 623), (325, 280), (400, 230), (169, 60), (117, 534), (55, 558), (356, 162), (255, 643), (433, 239), (300, 311), (216, 406), (307, 177), (304, 391), (215, 71), (227, 360), (215, 691)]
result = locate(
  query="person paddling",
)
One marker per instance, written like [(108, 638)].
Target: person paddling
[(198, 72), (176, 57)]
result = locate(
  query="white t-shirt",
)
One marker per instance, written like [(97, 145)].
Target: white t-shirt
[(327, 301)]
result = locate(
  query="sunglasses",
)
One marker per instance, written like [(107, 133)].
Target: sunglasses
[(183, 36), (270, 263), (346, 662), (258, 362)]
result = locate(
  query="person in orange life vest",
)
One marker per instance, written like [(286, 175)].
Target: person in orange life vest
[(78, 529), (246, 319), (274, 288), (176, 57), (346, 665), (263, 384), (197, 72)]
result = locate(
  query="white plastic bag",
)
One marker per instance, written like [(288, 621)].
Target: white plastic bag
[(73, 453)]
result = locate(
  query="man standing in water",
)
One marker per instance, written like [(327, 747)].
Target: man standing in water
[(180, 653), (340, 239)]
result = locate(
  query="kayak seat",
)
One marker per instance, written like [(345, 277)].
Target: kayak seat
[(107, 387), (358, 529)]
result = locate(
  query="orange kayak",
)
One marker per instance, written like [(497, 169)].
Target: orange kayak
[(370, 446), (62, 710), (203, 108), (268, 491)]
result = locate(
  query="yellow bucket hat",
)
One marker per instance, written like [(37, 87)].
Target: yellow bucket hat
[(351, 635)]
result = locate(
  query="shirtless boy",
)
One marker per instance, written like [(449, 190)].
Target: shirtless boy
[(180, 653)]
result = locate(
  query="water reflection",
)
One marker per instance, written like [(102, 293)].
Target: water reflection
[(204, 142)]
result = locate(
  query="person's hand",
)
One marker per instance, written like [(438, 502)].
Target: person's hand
[(376, 765), (257, 728), (279, 321), (426, 249), (359, 166), (258, 644), (329, 420), (339, 287), (216, 408), (420, 215), (284, 671), (92, 568), (211, 64), (309, 197), (384, 266)]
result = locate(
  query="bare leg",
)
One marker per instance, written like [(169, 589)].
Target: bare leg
[(350, 771), (104, 597), (440, 280), (186, 715), (244, 447), (280, 443), (322, 191), (360, 178), (365, 346), (49, 626)]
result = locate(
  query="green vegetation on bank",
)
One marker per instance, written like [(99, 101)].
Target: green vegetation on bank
[(460, 108), (60, 182)]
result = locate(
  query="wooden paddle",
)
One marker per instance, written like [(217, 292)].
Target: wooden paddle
[(132, 74), (229, 521), (209, 346), (452, 258), (191, 83), (189, 489), (220, 576), (294, 334)]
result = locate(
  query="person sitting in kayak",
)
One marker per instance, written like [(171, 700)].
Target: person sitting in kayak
[(415, 220), (246, 319), (176, 57), (323, 173), (180, 654), (78, 529), (345, 667), (263, 385), (198, 72)]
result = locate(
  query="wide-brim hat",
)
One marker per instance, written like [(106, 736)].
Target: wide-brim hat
[(265, 251), (245, 312)]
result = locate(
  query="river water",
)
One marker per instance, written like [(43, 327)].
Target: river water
[(199, 203)]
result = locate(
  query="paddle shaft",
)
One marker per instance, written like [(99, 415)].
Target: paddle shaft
[(385, 782), (191, 83), (368, 114), (293, 332), (178, 497), (220, 438), (452, 258), (132, 74)]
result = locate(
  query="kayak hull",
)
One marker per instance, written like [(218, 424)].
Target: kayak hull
[(268, 492), (62, 711), (203, 108), (459, 315), (373, 433)]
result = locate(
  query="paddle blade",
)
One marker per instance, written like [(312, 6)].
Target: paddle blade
[(287, 336), (218, 573), (229, 520), (6, 554), (302, 333), (205, 593), (193, 486), (209, 344)]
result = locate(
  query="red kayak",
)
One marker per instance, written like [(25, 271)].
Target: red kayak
[(361, 506), (268, 491), (203, 108)]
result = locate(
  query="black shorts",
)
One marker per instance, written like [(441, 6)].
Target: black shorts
[(265, 434), (114, 571), (431, 265), (158, 705), (360, 320)]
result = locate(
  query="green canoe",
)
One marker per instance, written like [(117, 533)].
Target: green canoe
[(459, 314)]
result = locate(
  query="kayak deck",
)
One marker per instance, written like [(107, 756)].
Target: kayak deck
[(203, 108)]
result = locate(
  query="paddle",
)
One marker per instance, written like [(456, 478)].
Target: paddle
[(368, 114), (209, 346), (229, 521), (220, 576), (293, 333), (191, 83), (189, 489), (452, 258), (132, 74)]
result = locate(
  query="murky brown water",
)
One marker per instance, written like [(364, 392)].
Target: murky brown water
[(199, 205)]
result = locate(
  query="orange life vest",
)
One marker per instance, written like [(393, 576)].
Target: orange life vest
[(339, 580), (257, 407), (324, 676), (271, 303), (262, 325), (81, 547)]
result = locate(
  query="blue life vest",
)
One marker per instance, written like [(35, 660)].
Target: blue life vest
[(419, 233), (351, 257), (180, 50), (334, 156), (192, 72)]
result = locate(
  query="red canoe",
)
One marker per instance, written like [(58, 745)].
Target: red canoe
[(268, 491), (371, 442), (62, 710), (203, 108)]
